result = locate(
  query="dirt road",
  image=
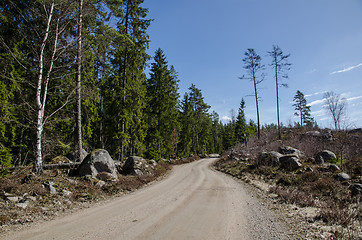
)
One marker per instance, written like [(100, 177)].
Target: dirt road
[(193, 202)]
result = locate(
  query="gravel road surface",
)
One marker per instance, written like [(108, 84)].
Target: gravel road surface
[(192, 202)]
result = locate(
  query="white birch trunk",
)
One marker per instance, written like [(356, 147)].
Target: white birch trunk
[(40, 103)]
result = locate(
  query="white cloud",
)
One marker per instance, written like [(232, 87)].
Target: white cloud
[(319, 113), (347, 69), (226, 119), (316, 102), (314, 94), (353, 98)]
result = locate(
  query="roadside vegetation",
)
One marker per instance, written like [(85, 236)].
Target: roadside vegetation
[(331, 188), (26, 197)]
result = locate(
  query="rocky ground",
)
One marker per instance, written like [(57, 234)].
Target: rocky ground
[(319, 193)]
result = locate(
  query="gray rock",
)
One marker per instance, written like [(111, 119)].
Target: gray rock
[(269, 158), (286, 150), (13, 198), (324, 156), (49, 186), (290, 162), (136, 166), (83, 155), (32, 198), (313, 134), (97, 162), (343, 177)]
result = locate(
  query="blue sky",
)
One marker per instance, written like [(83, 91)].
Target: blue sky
[(205, 40)]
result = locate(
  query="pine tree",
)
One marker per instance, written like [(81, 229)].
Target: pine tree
[(302, 109), (252, 63), (280, 65)]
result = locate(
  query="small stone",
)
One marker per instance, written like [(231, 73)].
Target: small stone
[(22, 205), (50, 187), (66, 193), (343, 177), (334, 168), (32, 198), (13, 199), (100, 184)]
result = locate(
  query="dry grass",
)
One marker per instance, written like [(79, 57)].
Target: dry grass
[(304, 188)]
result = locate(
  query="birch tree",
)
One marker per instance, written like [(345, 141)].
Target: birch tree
[(336, 106)]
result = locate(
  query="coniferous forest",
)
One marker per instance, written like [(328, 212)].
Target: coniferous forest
[(73, 76)]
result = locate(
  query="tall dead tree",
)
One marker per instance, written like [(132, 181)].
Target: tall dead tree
[(336, 106), (252, 63), (280, 65)]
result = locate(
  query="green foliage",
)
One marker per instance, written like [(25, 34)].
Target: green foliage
[(162, 112), (302, 109)]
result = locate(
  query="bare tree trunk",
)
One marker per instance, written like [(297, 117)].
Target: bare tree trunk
[(277, 89), (40, 103), (257, 104), (78, 87)]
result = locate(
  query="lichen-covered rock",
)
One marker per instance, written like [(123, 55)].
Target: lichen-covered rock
[(290, 162), (97, 162), (269, 158), (325, 156)]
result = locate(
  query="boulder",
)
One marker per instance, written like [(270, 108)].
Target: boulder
[(290, 162), (269, 158), (326, 134), (343, 177), (135, 165), (97, 162), (324, 156), (286, 150)]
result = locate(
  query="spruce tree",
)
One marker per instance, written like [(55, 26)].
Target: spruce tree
[(240, 124), (124, 91), (162, 107)]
